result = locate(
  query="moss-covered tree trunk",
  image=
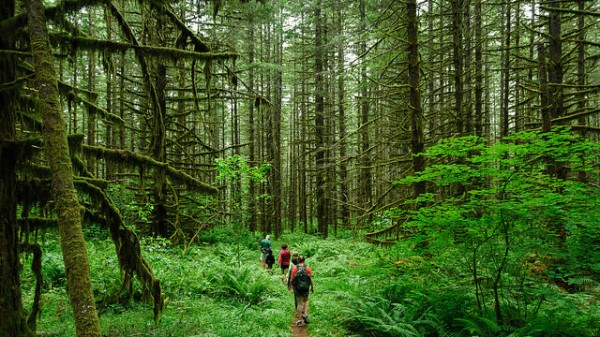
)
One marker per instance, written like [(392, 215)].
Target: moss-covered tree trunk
[(160, 223), (57, 154), (13, 321)]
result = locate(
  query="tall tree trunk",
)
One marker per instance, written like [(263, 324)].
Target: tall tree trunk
[(251, 126), (276, 144), (13, 322), (555, 62), (478, 70), (91, 87), (517, 85), (63, 191), (343, 172), (505, 71), (468, 97), (109, 67), (292, 200), (555, 89), (581, 74), (431, 74), (160, 224), (416, 115), (304, 164), (544, 92), (457, 57), (321, 171), (366, 188)]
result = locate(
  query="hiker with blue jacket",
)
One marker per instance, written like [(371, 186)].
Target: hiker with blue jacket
[(302, 284)]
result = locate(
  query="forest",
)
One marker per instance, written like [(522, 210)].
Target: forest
[(436, 162)]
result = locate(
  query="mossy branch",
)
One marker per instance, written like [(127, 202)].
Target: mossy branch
[(52, 13), (127, 246), (43, 223), (199, 45), (113, 46), (128, 32), (138, 160), (70, 92)]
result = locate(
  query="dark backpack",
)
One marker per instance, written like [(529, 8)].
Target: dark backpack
[(270, 258), (301, 280)]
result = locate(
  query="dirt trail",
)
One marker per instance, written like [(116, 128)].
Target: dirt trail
[(298, 331)]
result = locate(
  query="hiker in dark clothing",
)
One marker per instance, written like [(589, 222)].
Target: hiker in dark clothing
[(270, 260), (302, 283), (264, 245)]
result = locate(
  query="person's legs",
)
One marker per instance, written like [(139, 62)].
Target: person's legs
[(284, 273), (295, 302), (263, 259), (306, 306), (302, 300)]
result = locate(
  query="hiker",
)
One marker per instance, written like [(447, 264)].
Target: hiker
[(265, 244), (284, 262), (302, 283), (289, 280), (270, 260)]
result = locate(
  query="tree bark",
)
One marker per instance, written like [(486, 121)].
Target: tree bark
[(252, 220), (56, 151), (276, 130), (13, 322), (505, 72), (366, 185), (321, 172), (555, 62), (416, 116), (478, 70), (344, 190), (160, 224), (457, 57)]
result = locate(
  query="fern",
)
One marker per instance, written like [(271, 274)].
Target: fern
[(479, 326), (383, 318), (245, 284)]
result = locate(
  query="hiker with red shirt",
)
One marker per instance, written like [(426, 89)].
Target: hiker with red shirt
[(284, 262), (301, 283)]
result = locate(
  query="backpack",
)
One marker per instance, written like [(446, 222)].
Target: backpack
[(270, 258), (301, 280)]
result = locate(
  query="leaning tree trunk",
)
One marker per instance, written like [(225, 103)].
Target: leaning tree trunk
[(63, 191), (13, 322)]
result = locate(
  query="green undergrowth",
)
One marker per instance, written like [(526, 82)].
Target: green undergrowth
[(216, 288)]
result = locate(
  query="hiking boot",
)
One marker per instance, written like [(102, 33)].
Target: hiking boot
[(299, 323), (305, 318)]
